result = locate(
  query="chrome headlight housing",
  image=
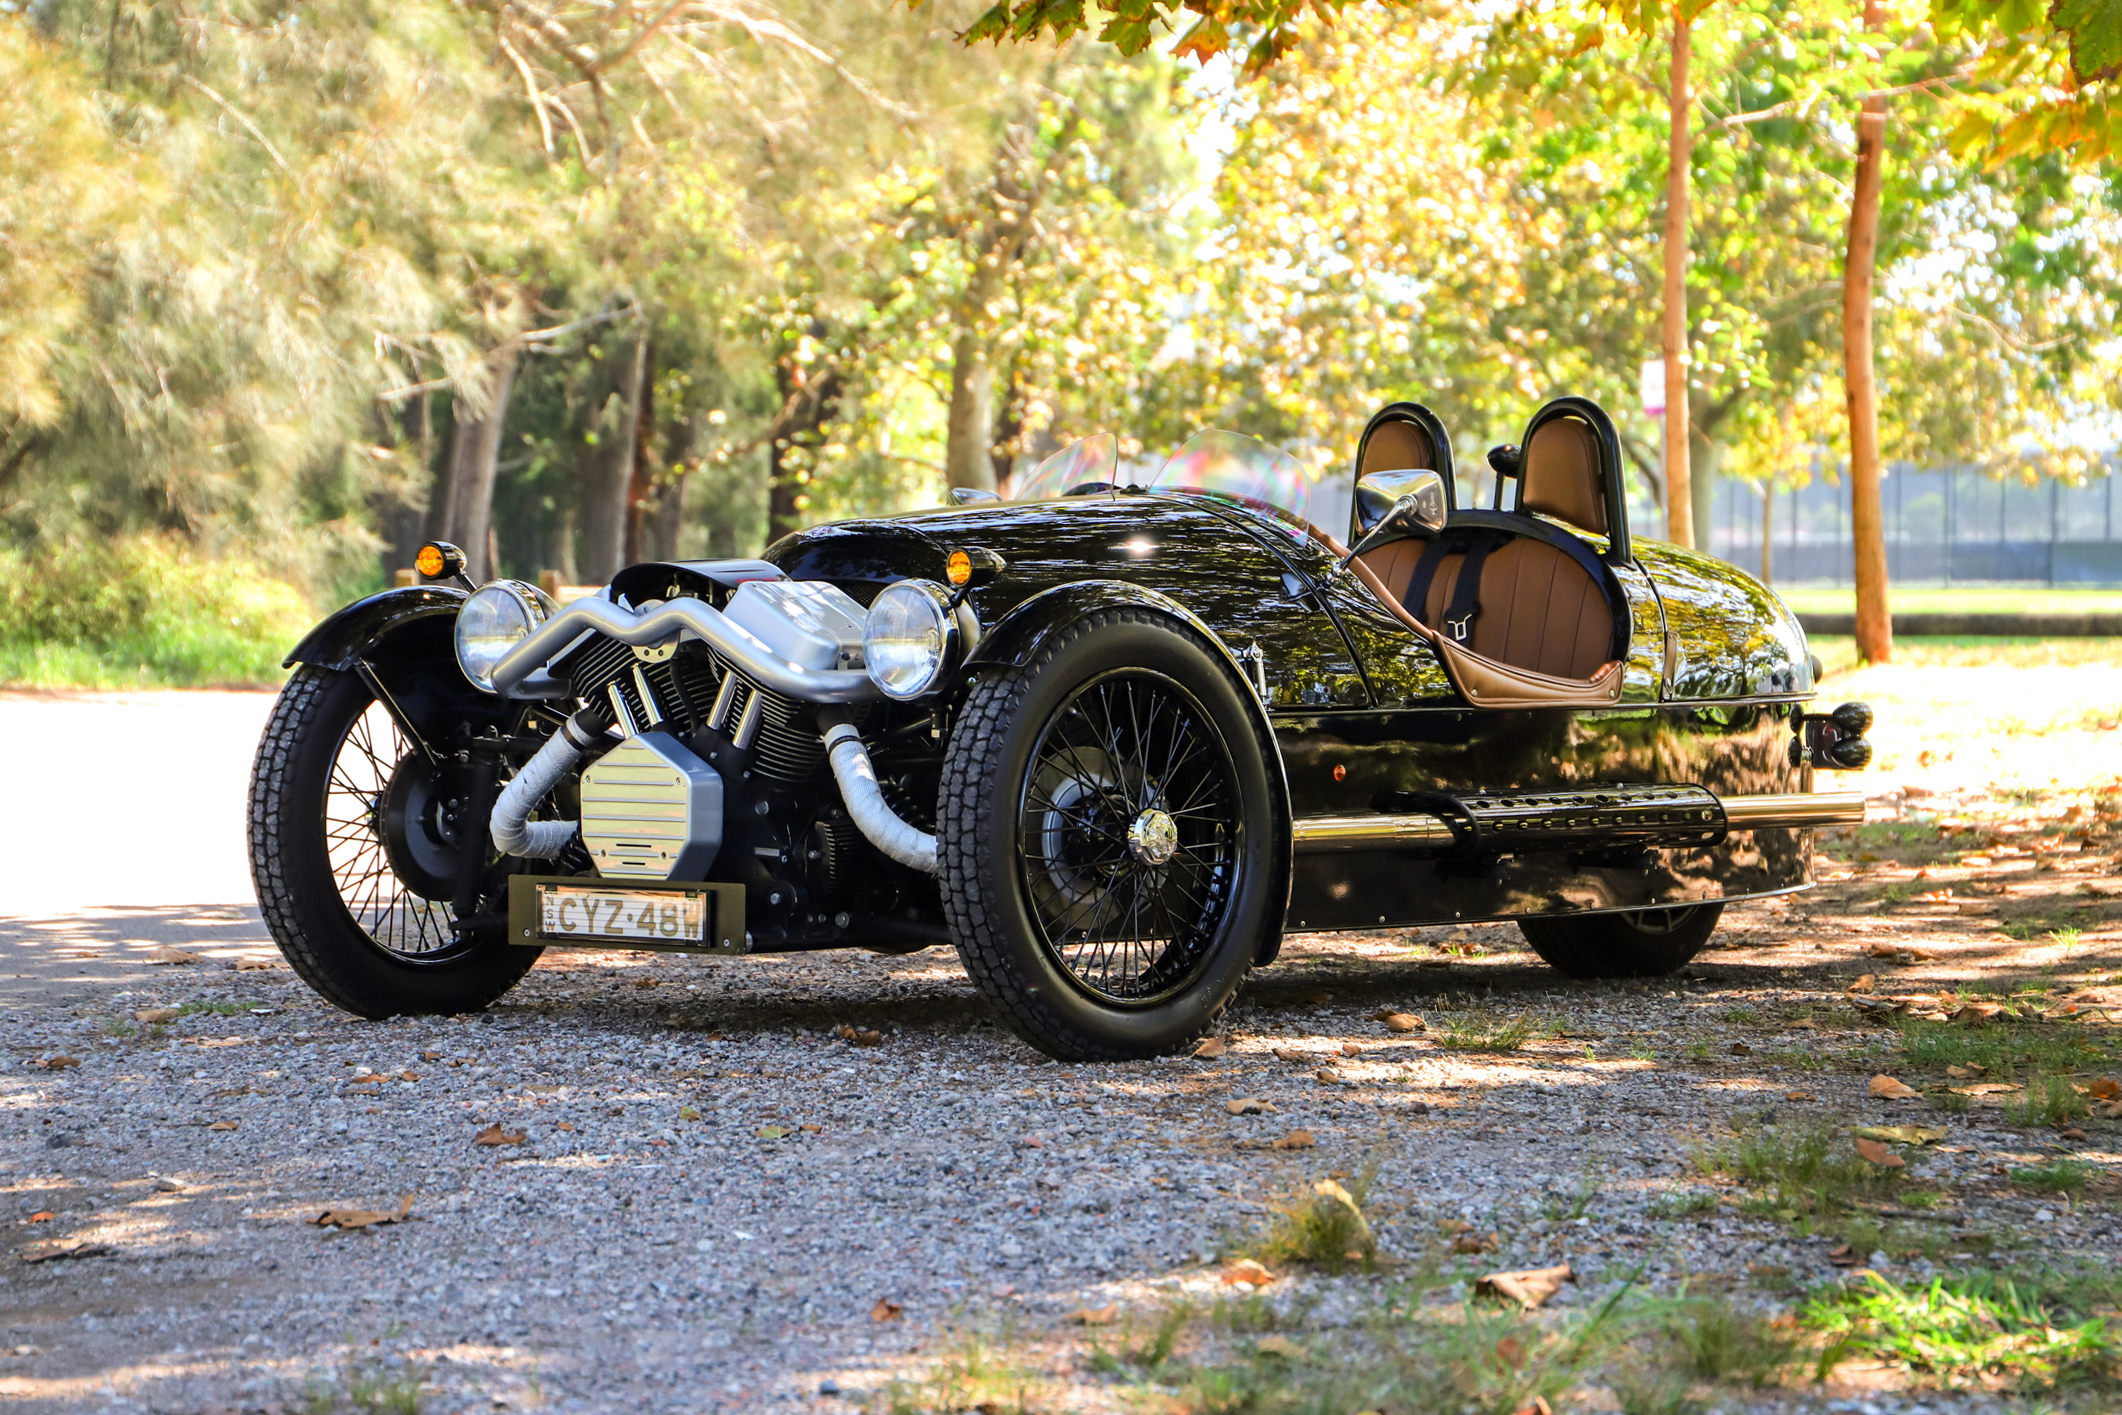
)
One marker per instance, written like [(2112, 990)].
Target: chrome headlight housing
[(494, 619), (910, 640)]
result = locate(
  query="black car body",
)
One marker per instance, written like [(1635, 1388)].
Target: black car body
[(1110, 738)]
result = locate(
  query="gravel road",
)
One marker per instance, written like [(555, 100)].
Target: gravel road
[(651, 1183)]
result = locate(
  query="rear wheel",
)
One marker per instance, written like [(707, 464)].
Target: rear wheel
[(1110, 846), (354, 841), (1640, 943)]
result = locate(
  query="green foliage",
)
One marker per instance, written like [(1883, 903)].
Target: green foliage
[(143, 611), (1963, 1331), (1718, 1342), (2049, 1100), (2058, 1176), (1327, 1231), (1800, 1168), (1497, 1034)]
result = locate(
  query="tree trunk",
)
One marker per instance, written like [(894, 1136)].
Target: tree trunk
[(807, 401), (1875, 626), (969, 454), (1768, 526), (641, 489), (1007, 429), (608, 476), (1679, 502), (460, 507)]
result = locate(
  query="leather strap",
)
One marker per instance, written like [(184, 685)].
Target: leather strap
[(1433, 557), (1458, 622)]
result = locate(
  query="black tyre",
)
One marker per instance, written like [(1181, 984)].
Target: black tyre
[(354, 854), (1113, 843), (1644, 943)]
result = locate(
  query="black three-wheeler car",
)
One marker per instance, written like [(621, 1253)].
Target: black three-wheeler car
[(1110, 737)]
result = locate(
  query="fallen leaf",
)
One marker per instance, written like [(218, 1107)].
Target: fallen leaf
[(1972, 1069), (1328, 1075), (644, 982), (430, 1056), (60, 1251), (174, 957), (222, 1125), (773, 1132), (1402, 1022), (2111, 1109), (1975, 1014), (42, 1216), (1529, 1288), (1741, 1049), (1211, 1048), (1987, 1088), (855, 1037), (1878, 1154), (1246, 1273), (1286, 1054), (1297, 1140), (2072, 1133), (563, 1125), (1902, 1134), (495, 1135), (1280, 1346), (1474, 1243), (1249, 1105), (1799, 1096), (1881, 950), (886, 1310), (686, 1112), (256, 965), (1863, 984), (1844, 1256), (408, 1075), (347, 1220), (156, 1014), (2106, 1088), (812, 1129), (1094, 1316), (57, 1063), (1351, 1049), (1887, 1087)]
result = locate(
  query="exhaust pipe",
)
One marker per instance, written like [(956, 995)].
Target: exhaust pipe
[(514, 832), (866, 806)]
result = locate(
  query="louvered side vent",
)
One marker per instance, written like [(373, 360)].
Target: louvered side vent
[(651, 810)]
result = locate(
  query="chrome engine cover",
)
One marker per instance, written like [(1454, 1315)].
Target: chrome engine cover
[(651, 809)]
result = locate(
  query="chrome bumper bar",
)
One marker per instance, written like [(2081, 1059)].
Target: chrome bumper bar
[(1323, 835), (522, 673)]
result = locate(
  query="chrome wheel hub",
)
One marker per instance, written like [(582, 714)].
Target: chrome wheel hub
[(1153, 838)]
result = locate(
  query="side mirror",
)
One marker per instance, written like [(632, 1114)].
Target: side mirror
[(1419, 513)]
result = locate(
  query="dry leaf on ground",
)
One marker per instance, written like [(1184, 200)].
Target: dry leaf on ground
[(1878, 1154), (773, 1132), (1975, 1014), (1741, 1049), (855, 1036), (56, 1063), (256, 965), (1902, 1134), (1094, 1316), (1246, 1273), (1888, 1088), (1328, 1075), (1290, 1054), (2106, 1088), (1967, 1072), (347, 1220), (1799, 1096), (1986, 1088), (1401, 1022), (1297, 1140), (62, 1250), (1844, 1256), (42, 1216), (1863, 984), (156, 1014), (1211, 1048), (886, 1310), (222, 1125), (1351, 1049), (1249, 1105), (1528, 1288), (686, 1112), (1475, 1243), (495, 1135), (175, 957)]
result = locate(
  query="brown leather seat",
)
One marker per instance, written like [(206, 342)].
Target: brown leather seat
[(1538, 607)]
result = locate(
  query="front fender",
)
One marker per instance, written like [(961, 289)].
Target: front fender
[(414, 621), (1015, 639)]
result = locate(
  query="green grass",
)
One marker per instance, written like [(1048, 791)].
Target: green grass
[(1716, 1341), (2049, 1100), (984, 1372), (143, 612), (1691, 1204), (1486, 1034), (2006, 1048), (1328, 1230), (1981, 1329), (2058, 1176), (1800, 1169)]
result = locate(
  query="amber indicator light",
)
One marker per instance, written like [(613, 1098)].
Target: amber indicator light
[(1340, 773), (959, 568), (430, 562)]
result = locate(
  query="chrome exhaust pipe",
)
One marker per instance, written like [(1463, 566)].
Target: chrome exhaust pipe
[(1426, 833)]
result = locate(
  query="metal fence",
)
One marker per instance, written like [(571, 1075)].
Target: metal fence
[(1941, 526)]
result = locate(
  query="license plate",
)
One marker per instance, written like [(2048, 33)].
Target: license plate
[(653, 916)]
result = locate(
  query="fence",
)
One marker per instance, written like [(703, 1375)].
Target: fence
[(1941, 526)]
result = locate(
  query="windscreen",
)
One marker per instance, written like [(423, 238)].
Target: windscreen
[(1243, 471), (1080, 467)]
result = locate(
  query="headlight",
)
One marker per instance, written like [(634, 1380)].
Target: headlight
[(910, 639), (495, 619)]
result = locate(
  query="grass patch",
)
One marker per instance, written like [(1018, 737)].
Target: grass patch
[(371, 1390), (218, 1009), (1799, 1169), (1715, 1341), (2058, 1176), (144, 612), (983, 1373), (2003, 1048), (1486, 1034), (1692, 1204), (2049, 1100), (1981, 1329), (1326, 1231)]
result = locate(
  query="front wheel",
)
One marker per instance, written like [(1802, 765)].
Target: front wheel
[(1113, 847), (1641, 943), (354, 837)]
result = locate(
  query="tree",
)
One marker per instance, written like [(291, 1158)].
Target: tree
[(1875, 629)]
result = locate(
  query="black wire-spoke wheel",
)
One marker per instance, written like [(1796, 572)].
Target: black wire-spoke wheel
[(1130, 827), (356, 835), (1632, 943), (1114, 844)]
